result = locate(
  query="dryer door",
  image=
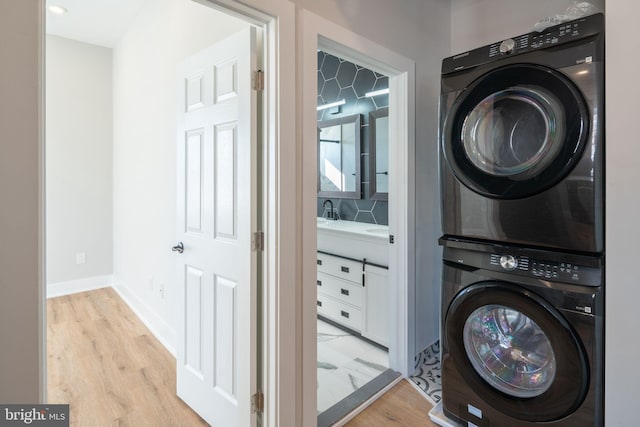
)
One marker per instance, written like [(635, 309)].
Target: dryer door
[(515, 131), (516, 351)]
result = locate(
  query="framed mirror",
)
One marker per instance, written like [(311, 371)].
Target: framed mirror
[(339, 157), (379, 154)]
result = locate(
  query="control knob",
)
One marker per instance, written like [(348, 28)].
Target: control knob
[(507, 46), (508, 262)]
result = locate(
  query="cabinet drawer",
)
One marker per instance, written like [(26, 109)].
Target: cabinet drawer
[(342, 290), (339, 312), (340, 267)]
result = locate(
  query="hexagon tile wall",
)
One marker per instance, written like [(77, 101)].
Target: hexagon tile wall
[(340, 79)]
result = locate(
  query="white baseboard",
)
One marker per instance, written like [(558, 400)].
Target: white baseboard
[(59, 289), (156, 324)]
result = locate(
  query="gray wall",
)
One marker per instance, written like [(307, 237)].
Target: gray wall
[(622, 385), (145, 100), (20, 219), (419, 30), (78, 159)]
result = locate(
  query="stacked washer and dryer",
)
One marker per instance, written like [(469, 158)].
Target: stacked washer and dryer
[(521, 129)]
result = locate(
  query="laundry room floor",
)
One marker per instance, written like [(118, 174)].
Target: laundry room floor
[(427, 374)]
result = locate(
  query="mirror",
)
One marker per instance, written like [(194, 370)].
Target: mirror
[(339, 157), (379, 154)]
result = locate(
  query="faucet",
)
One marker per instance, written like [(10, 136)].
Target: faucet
[(330, 214)]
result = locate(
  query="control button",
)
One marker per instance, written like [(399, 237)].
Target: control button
[(507, 46), (508, 262)]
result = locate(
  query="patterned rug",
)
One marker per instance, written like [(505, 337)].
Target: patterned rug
[(427, 373)]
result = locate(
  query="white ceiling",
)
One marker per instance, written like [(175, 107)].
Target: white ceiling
[(99, 22)]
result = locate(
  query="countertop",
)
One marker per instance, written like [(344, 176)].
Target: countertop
[(359, 228)]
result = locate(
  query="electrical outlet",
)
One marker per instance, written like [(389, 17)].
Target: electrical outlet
[(81, 258)]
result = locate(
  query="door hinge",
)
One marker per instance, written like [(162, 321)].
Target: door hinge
[(257, 402), (258, 80), (257, 241), (392, 239)]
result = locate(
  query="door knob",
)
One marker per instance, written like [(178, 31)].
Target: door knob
[(178, 248)]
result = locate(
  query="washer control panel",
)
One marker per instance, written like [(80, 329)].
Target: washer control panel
[(558, 271)]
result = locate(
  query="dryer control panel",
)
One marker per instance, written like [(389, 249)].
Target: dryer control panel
[(543, 265), (549, 37)]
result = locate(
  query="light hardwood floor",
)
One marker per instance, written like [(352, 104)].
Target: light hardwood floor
[(111, 370), (402, 406), (107, 365)]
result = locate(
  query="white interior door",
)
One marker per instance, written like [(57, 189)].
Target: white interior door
[(216, 193)]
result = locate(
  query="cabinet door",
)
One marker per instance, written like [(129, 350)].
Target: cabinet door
[(377, 305)]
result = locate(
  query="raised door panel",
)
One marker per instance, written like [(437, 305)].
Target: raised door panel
[(226, 81), (194, 281), (194, 180), (225, 201), (225, 351)]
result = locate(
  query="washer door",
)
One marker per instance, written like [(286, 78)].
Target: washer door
[(516, 351), (516, 131)]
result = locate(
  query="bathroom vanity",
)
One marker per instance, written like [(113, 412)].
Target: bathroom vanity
[(353, 289)]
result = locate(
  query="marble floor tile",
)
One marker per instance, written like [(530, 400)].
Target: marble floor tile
[(345, 363)]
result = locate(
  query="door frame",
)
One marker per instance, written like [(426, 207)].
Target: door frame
[(280, 370), (319, 33)]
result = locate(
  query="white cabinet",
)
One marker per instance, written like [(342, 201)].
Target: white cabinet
[(340, 291), (351, 291), (354, 294), (377, 305)]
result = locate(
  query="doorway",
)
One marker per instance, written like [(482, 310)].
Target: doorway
[(325, 36), (353, 289), (144, 169)]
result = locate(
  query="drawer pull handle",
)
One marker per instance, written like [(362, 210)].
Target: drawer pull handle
[(319, 303), (344, 269), (344, 314), (344, 291), (319, 262), (319, 282)]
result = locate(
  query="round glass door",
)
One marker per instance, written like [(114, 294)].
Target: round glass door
[(515, 131), (509, 350), (516, 351)]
